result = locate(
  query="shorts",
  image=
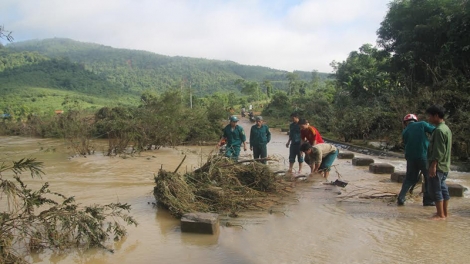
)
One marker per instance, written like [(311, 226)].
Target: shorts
[(294, 151), (328, 161)]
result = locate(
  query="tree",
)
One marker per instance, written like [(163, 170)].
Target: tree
[(428, 39), (429, 42), (252, 89), (268, 86), (315, 80), (43, 219), (293, 83), (364, 74)]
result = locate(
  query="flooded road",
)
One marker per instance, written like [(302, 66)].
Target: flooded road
[(314, 226)]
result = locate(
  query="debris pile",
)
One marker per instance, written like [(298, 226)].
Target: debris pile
[(220, 185)]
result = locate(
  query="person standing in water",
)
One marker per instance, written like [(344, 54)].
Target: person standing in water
[(415, 137), (234, 135), (294, 143), (439, 160), (259, 138)]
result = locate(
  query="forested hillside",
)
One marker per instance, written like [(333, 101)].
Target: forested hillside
[(422, 58), (132, 71)]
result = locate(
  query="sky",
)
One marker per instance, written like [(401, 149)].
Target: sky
[(287, 35)]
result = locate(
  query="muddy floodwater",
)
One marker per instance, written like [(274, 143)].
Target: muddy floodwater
[(314, 225)]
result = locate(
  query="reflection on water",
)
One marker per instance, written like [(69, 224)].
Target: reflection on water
[(311, 226)]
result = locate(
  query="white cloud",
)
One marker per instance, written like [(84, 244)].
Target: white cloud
[(318, 13), (306, 35)]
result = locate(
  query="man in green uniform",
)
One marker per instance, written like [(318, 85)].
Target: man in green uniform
[(259, 137), (234, 135), (439, 160), (415, 138), (294, 143)]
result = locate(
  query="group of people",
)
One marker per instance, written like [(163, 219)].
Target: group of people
[(431, 158), (250, 113), (234, 136), (304, 139)]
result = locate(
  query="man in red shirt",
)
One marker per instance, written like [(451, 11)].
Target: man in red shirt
[(309, 133)]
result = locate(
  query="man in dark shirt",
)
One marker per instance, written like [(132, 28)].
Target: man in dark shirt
[(234, 135), (415, 138), (259, 137), (294, 143)]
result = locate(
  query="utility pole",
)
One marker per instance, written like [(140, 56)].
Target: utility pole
[(190, 96), (181, 90)]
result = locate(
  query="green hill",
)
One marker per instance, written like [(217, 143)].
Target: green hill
[(36, 75), (134, 71)]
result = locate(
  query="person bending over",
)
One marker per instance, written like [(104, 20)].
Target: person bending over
[(320, 157)]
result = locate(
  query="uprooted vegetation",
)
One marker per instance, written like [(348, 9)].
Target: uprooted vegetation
[(45, 221), (220, 185)]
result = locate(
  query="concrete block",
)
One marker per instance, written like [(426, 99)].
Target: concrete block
[(456, 190), (345, 155), (381, 168), (398, 176), (203, 223), (362, 161)]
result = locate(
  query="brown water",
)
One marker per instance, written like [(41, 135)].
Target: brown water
[(315, 226)]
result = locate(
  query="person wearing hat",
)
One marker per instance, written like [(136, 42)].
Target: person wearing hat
[(234, 135), (415, 137), (259, 137), (309, 133), (319, 157)]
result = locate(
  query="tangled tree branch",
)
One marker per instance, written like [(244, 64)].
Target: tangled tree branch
[(41, 219)]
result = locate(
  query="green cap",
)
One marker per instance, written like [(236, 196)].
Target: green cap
[(233, 119)]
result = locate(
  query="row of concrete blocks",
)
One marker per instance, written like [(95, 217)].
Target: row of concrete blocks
[(455, 190), (377, 168), (208, 223)]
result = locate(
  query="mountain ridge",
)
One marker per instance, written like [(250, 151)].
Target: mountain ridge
[(95, 57)]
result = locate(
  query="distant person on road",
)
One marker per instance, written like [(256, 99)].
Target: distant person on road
[(251, 116), (415, 137), (259, 138), (309, 133), (439, 160), (294, 143), (234, 135), (320, 157)]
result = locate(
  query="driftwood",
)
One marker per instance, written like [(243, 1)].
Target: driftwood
[(177, 168), (364, 193), (220, 185), (250, 160)]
